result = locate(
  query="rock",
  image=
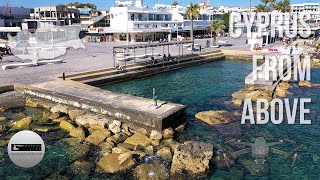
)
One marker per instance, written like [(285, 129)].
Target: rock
[(136, 129), (120, 150), (192, 158), (305, 84), (126, 130), (222, 162), (117, 138), (167, 133), (58, 120), (237, 102), (258, 94), (155, 170), (2, 128), (75, 149), (3, 142), (284, 85), (115, 127), (98, 136), (281, 92), (111, 163), (89, 119), (73, 114), (65, 125), (138, 139), (155, 142), (2, 109), (155, 135), (2, 118), (94, 127), (130, 146), (80, 167), (239, 94), (78, 133), (215, 117), (54, 116), (180, 128), (22, 124), (41, 129), (149, 150), (165, 154), (36, 103), (60, 109), (106, 147)]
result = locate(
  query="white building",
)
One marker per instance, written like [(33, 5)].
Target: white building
[(229, 9), (307, 8), (144, 23)]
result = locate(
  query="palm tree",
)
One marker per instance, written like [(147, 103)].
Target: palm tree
[(283, 6), (216, 27), (261, 8), (191, 12)]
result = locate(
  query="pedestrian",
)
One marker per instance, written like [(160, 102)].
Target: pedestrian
[(291, 50)]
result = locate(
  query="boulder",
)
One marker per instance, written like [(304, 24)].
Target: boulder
[(284, 85), (2, 109), (136, 129), (258, 94), (2, 128), (2, 118), (155, 135), (167, 133), (180, 128), (239, 94), (215, 117), (155, 170), (58, 120), (115, 127), (305, 84), (36, 103), (130, 146), (192, 158), (89, 119), (165, 154), (53, 116), (155, 142), (60, 109), (78, 133), (98, 136), (73, 114), (65, 125), (138, 139), (237, 102), (120, 150), (111, 163), (94, 127), (81, 167), (106, 147), (280, 92), (149, 150), (117, 138), (22, 124)]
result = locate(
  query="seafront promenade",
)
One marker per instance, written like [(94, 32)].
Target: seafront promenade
[(95, 56)]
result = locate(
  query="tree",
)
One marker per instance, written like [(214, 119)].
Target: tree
[(175, 3), (191, 12), (225, 19), (216, 27), (261, 8)]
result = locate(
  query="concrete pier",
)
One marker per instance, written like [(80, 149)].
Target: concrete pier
[(126, 108)]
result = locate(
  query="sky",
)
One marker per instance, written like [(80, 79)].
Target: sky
[(106, 4)]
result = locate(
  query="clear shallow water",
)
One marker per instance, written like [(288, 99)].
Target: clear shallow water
[(209, 87)]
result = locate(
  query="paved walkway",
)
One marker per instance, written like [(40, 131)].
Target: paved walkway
[(95, 56)]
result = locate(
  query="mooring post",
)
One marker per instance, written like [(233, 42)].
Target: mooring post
[(155, 97), (63, 76)]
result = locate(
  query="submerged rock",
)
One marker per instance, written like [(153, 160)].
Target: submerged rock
[(237, 102), (155, 170), (111, 163), (305, 84), (22, 124), (215, 117), (80, 168), (2, 118), (192, 158)]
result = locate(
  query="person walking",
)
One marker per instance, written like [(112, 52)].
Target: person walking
[(291, 50)]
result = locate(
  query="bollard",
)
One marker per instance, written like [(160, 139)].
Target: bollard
[(63, 76)]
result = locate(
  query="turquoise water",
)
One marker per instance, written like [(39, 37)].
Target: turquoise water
[(209, 87)]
